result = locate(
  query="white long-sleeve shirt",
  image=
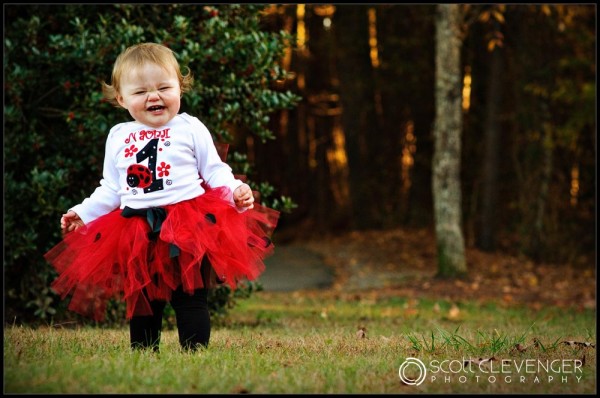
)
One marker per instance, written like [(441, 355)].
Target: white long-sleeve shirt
[(148, 167)]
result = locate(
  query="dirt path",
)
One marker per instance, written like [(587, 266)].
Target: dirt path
[(403, 263), (296, 267)]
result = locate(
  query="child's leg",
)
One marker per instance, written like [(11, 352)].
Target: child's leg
[(193, 318), (144, 331)]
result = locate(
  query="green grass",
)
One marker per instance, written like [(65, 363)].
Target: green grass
[(290, 343)]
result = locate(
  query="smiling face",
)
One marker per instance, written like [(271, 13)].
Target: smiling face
[(151, 94)]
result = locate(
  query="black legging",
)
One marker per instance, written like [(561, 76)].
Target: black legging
[(193, 321)]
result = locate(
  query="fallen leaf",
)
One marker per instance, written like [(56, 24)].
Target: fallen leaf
[(520, 347), (411, 312), (453, 312), (361, 333), (479, 361), (240, 390), (532, 280), (579, 344)]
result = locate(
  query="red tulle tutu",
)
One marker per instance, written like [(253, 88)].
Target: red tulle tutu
[(118, 256)]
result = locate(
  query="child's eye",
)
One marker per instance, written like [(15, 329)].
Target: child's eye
[(139, 92), (164, 88)]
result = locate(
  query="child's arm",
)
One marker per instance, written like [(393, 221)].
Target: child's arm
[(243, 197), (70, 221), (213, 170)]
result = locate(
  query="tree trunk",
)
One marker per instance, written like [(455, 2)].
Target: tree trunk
[(545, 180), (358, 117), (327, 167), (491, 133), (447, 146)]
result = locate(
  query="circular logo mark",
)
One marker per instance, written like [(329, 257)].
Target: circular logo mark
[(411, 363)]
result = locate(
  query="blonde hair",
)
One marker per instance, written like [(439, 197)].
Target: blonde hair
[(136, 56)]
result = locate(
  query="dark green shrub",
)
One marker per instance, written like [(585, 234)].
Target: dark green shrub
[(55, 58)]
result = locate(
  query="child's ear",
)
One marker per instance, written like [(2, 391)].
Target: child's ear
[(119, 99)]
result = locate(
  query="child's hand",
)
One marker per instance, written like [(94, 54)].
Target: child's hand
[(243, 197), (70, 222)]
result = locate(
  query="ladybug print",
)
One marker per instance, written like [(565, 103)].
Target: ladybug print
[(138, 175)]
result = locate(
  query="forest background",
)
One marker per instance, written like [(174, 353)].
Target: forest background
[(333, 105)]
